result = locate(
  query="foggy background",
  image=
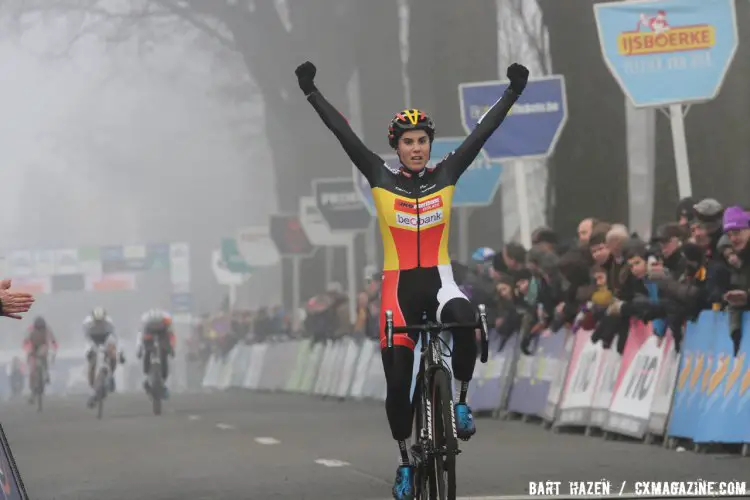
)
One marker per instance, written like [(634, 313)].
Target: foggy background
[(157, 121)]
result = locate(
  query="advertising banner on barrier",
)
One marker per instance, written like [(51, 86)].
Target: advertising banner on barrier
[(366, 354), (724, 409), (697, 358), (534, 375), (575, 407), (310, 372), (636, 382), (294, 383), (558, 381), (605, 386), (662, 403), (489, 382)]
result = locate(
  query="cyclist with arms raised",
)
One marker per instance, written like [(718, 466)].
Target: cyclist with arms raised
[(414, 206)]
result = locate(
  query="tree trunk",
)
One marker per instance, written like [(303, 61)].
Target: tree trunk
[(591, 157)]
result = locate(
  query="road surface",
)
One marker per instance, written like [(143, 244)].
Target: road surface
[(242, 445)]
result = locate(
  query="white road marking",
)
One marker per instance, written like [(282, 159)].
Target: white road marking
[(225, 427), (267, 440), (194, 417), (331, 462)]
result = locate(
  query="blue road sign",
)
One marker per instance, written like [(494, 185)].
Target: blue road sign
[(532, 127), (668, 51), (476, 188)]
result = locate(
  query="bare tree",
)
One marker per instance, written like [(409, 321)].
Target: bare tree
[(268, 46)]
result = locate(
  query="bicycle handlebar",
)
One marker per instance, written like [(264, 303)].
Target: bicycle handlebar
[(481, 324)]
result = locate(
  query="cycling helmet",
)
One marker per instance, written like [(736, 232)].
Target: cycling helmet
[(409, 119), (40, 323), (99, 314)]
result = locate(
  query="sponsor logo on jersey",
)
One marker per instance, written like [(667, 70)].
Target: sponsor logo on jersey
[(429, 213)]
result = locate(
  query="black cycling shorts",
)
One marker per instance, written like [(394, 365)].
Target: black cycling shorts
[(411, 292)]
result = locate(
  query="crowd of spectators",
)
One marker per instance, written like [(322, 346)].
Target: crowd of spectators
[(599, 279), (218, 332), (606, 276)]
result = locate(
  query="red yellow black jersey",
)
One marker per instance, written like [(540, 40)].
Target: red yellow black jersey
[(414, 209)]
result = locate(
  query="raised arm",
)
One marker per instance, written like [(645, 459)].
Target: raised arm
[(467, 152), (364, 159)]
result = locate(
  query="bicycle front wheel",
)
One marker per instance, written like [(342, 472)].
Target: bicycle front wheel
[(444, 437)]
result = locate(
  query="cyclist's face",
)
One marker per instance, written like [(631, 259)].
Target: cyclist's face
[(414, 149)]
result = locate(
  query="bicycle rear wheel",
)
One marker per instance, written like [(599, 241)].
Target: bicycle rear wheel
[(444, 438)]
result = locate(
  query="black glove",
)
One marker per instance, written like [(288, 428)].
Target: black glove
[(517, 74), (305, 75)]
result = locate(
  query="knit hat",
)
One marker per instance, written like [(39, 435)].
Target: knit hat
[(736, 218), (708, 210)]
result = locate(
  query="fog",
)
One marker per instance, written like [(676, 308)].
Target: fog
[(113, 144)]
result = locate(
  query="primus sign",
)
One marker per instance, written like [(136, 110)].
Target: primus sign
[(340, 205)]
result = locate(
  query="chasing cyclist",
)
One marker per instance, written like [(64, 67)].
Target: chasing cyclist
[(99, 330), (156, 326), (414, 207), (37, 343)]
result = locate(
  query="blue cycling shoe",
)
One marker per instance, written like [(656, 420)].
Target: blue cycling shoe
[(464, 422), (403, 487)]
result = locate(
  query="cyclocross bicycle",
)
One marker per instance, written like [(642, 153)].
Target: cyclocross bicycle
[(436, 443)]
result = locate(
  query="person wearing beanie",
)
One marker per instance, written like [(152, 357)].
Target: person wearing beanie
[(705, 229), (736, 224)]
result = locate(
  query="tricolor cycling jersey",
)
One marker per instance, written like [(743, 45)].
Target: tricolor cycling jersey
[(414, 209)]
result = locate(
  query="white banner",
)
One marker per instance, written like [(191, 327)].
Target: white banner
[(575, 407), (631, 406), (605, 386)]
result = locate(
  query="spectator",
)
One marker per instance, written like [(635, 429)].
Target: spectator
[(616, 236), (669, 237), (511, 260), (686, 213), (546, 239), (737, 226), (13, 304), (706, 231), (585, 230), (360, 323)]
